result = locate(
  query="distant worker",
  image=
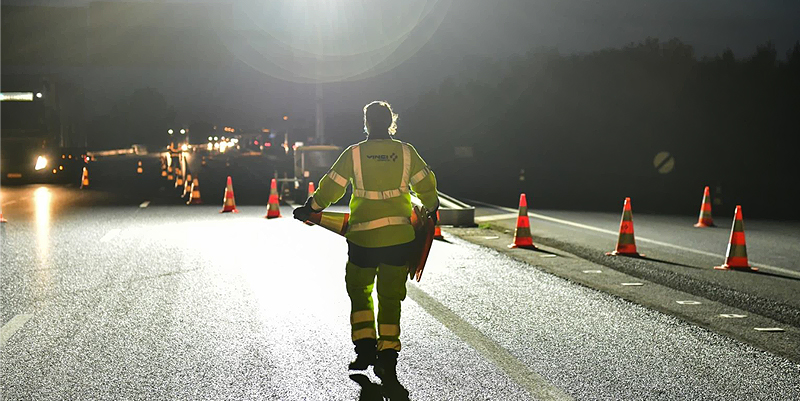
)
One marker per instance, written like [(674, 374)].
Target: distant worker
[(381, 170)]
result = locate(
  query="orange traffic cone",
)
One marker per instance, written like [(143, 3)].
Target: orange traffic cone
[(2, 219), (705, 219), (333, 221), (194, 195), (273, 206), (311, 189), (522, 233), (85, 178), (228, 203), (626, 245), (163, 169), (178, 177), (437, 232), (187, 186), (139, 169), (736, 256)]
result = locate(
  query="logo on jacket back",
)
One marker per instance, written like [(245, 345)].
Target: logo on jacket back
[(383, 158)]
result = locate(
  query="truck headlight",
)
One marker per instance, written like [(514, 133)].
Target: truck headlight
[(41, 162)]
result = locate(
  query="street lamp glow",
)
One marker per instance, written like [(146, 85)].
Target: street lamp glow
[(38, 95), (183, 131), (285, 118), (169, 131), (210, 138), (41, 163)]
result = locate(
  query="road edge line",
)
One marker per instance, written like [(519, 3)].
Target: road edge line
[(12, 326)]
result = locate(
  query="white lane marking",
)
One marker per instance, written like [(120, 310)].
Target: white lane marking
[(769, 329), (12, 326), (632, 284), (519, 372), (642, 239), (110, 235), (732, 316), (10, 202), (502, 216), (145, 204), (593, 271), (689, 302)]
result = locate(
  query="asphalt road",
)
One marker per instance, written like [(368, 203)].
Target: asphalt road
[(117, 294)]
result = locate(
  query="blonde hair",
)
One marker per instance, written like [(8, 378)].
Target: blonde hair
[(379, 114)]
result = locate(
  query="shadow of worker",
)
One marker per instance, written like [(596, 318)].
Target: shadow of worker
[(375, 392)]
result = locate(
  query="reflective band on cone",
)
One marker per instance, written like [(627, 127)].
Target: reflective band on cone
[(626, 245), (736, 255), (705, 219), (522, 233), (273, 206), (333, 221), (178, 177), (228, 202), (194, 195), (85, 178)]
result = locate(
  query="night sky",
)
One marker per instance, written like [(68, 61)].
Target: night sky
[(397, 50)]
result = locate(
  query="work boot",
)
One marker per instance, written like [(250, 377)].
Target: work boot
[(386, 370), (366, 349)]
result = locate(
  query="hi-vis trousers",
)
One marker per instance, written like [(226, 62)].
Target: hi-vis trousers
[(389, 264)]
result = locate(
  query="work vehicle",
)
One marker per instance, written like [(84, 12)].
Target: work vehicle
[(310, 164), (40, 136)]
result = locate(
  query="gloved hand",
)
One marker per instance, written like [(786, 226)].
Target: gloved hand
[(303, 213)]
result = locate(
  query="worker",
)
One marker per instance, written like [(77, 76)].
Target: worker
[(381, 170)]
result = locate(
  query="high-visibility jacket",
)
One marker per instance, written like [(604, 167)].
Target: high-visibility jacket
[(382, 173)]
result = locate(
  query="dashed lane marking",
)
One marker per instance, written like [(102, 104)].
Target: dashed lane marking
[(144, 204), (12, 326), (732, 316), (110, 235), (593, 271), (632, 284), (535, 384), (614, 233), (689, 302), (769, 329)]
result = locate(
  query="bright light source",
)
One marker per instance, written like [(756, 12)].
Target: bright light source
[(38, 95), (210, 146), (169, 131), (41, 162), (184, 147), (255, 142), (210, 138), (55, 171), (16, 97), (183, 131), (61, 167), (267, 144), (216, 138), (285, 118)]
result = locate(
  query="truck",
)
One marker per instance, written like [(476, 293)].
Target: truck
[(41, 137)]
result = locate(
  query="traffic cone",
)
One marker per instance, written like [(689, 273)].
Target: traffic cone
[(85, 178), (705, 219), (2, 219), (194, 195), (163, 168), (736, 255), (228, 203), (522, 233), (139, 169), (311, 189), (626, 245), (273, 206), (333, 221), (437, 232), (178, 177), (187, 186)]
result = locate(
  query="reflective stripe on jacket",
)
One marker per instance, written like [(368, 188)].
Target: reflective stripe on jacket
[(382, 173)]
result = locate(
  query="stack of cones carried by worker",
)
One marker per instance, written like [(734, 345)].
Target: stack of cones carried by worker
[(85, 178), (178, 177), (139, 169), (705, 219), (522, 233), (333, 221), (437, 231), (228, 203), (626, 244), (187, 185), (273, 205), (194, 194), (736, 255)]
